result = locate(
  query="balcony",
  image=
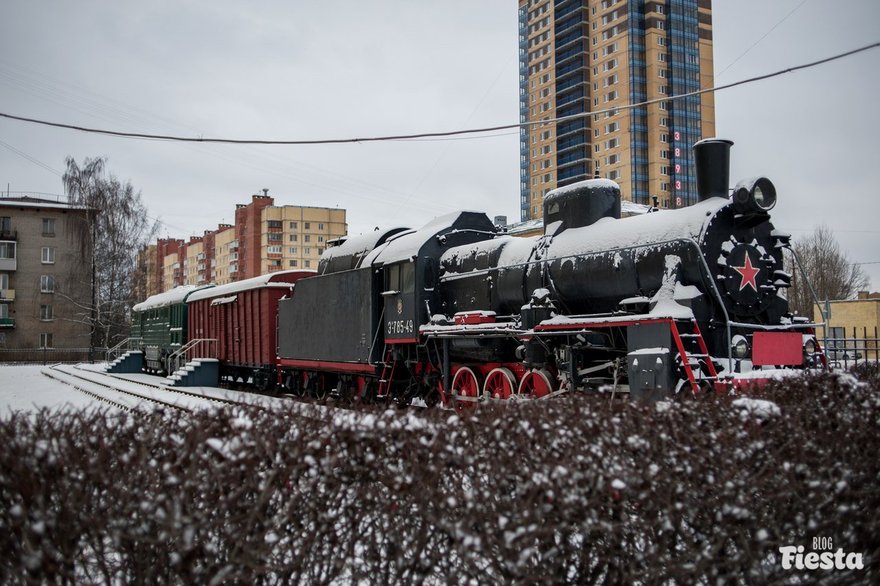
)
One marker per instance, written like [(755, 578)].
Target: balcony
[(7, 255), (7, 322), (7, 294), (8, 234)]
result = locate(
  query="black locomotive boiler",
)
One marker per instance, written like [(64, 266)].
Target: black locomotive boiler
[(670, 301)]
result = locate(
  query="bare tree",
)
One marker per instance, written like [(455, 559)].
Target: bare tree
[(110, 239), (827, 268)]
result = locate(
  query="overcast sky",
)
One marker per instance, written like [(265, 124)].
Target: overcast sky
[(290, 70)]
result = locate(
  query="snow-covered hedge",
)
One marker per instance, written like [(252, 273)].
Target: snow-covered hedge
[(574, 489)]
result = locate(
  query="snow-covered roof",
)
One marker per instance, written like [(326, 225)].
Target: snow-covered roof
[(406, 245), (357, 246), (176, 295), (29, 202), (653, 228), (270, 280)]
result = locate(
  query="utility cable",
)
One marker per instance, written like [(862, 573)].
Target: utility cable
[(439, 134)]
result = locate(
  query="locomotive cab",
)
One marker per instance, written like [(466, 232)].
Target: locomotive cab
[(409, 268)]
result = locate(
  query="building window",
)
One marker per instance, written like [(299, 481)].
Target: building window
[(4, 311), (613, 175), (664, 122), (46, 341), (664, 187), (48, 255), (4, 281), (47, 284), (307, 250), (308, 264), (664, 137), (274, 223), (661, 41), (664, 170), (293, 225), (292, 250), (292, 263), (320, 251), (307, 238), (48, 226), (46, 313), (293, 238), (661, 57), (7, 250), (273, 249), (320, 226), (307, 226), (5, 224), (613, 127)]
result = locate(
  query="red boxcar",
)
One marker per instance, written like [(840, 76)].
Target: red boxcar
[(238, 322)]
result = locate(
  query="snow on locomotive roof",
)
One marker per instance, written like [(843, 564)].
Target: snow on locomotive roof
[(593, 183), (610, 234), (269, 280), (176, 295), (406, 245)]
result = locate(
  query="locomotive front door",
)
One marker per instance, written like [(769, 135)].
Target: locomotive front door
[(400, 322)]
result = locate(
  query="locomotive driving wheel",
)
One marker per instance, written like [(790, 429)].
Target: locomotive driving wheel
[(465, 388), (500, 384), (536, 384)]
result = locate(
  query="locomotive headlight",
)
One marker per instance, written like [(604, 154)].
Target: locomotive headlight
[(753, 196), (740, 347)]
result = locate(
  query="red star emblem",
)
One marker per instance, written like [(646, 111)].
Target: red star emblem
[(748, 274)]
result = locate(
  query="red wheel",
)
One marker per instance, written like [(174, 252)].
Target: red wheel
[(500, 384), (465, 388), (535, 384)]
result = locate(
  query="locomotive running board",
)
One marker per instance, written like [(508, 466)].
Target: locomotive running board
[(568, 326)]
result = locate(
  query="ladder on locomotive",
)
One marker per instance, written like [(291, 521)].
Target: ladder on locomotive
[(696, 359), (388, 364)]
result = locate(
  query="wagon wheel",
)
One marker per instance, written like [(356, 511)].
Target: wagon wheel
[(465, 388), (536, 384), (500, 384)]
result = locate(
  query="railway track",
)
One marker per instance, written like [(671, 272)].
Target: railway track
[(128, 394), (124, 393)]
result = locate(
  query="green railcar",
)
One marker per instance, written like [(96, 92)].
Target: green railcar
[(160, 323)]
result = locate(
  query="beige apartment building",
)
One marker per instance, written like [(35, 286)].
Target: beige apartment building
[(293, 237), (45, 279), (581, 63)]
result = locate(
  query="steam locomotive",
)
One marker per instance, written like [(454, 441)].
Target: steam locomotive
[(673, 301)]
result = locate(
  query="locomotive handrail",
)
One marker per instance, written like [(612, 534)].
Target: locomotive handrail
[(797, 261), (686, 240)]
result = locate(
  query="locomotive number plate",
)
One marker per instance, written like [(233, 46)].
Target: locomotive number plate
[(400, 326)]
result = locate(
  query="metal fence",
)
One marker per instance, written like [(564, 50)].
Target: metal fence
[(857, 346), (50, 355)]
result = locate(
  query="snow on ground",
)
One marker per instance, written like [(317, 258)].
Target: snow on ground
[(26, 388)]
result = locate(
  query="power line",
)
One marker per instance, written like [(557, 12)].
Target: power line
[(437, 134), (30, 158), (764, 36)]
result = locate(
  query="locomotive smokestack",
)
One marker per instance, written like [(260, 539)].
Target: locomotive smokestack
[(712, 157)]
